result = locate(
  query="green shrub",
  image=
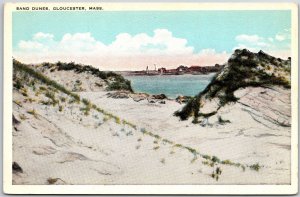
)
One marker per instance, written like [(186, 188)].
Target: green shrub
[(33, 112), (255, 167), (215, 159)]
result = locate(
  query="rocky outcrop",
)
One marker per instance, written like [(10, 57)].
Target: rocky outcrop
[(159, 96), (118, 94), (243, 69)]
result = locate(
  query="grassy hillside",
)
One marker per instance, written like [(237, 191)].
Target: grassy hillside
[(113, 80), (243, 69)]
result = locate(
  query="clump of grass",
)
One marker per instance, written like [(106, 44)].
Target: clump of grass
[(172, 152), (72, 100), (30, 100), (243, 167), (94, 106), (227, 162), (255, 167), (178, 145), (193, 151), (18, 84), (215, 174), (155, 142), (86, 102), (215, 159), (19, 103), (163, 161), (129, 124), (33, 112), (51, 95), (143, 130), (138, 147), (24, 91), (42, 88), (222, 121), (218, 171), (106, 118), (156, 147), (100, 110), (60, 108), (37, 93), (167, 141), (86, 111), (153, 135), (87, 107), (117, 120), (115, 134), (46, 102), (207, 157), (139, 140), (22, 117), (63, 99)]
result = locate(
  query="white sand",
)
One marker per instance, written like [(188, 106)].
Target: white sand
[(95, 149), (81, 149)]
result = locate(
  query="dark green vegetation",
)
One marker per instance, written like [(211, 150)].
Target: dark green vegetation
[(114, 80), (243, 69)]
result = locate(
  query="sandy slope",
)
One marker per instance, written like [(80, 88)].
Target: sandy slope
[(81, 149), (253, 136), (60, 143)]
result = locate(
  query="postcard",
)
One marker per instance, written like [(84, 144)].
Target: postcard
[(150, 98)]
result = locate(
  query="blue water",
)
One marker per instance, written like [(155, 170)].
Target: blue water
[(170, 85)]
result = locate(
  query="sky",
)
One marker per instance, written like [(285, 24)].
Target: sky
[(127, 40)]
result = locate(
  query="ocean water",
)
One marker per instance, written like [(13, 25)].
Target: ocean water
[(170, 85)]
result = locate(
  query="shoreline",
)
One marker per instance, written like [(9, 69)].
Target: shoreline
[(133, 73)]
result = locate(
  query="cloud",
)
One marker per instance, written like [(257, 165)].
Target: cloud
[(126, 52), (248, 38), (279, 45), (280, 37), (42, 36), (251, 40), (283, 35)]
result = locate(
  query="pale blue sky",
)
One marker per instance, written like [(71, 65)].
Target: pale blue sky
[(202, 29), (127, 40)]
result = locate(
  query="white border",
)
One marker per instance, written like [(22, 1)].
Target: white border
[(148, 189)]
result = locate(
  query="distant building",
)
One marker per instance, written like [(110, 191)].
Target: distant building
[(182, 68), (195, 68), (162, 70)]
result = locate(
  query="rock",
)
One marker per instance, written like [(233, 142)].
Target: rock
[(16, 167), (137, 97), (15, 121), (159, 96), (118, 95), (162, 102), (151, 101)]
